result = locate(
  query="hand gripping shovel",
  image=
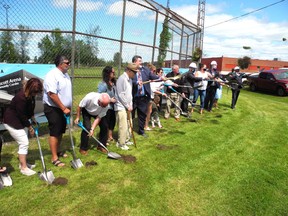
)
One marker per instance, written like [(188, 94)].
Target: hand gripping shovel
[(45, 175), (112, 155), (75, 163)]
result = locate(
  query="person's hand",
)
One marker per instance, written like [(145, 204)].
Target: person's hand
[(66, 111), (76, 121), (91, 132), (130, 109), (113, 100), (31, 131), (164, 94), (175, 84), (183, 95)]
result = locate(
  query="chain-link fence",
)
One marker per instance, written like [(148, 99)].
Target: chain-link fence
[(92, 33)]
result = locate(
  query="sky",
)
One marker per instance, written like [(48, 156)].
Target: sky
[(262, 31)]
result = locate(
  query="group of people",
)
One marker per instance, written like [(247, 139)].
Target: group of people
[(139, 89)]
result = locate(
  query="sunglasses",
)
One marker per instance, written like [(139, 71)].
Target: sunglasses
[(67, 63)]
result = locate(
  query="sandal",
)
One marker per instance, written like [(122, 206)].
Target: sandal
[(62, 154), (58, 163), (2, 169)]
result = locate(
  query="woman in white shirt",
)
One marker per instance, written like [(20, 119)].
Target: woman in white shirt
[(200, 87)]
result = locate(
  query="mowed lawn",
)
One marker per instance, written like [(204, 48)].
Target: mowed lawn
[(227, 162)]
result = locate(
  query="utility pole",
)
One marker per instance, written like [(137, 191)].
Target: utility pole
[(200, 24), (6, 6)]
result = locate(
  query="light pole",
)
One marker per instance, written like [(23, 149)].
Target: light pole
[(6, 6)]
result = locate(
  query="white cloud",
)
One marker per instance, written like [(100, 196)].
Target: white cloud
[(228, 38), (82, 5), (132, 10)]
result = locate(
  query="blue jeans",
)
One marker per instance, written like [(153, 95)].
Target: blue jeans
[(202, 94)]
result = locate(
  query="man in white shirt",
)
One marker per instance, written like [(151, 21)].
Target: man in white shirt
[(93, 105), (57, 100)]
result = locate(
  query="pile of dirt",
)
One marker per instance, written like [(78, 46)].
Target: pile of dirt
[(128, 158), (60, 181), (91, 163), (165, 147)]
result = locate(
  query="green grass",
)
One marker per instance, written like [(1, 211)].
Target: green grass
[(228, 162)]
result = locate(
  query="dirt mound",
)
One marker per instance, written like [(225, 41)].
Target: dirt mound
[(60, 181), (128, 158), (91, 163), (165, 147)]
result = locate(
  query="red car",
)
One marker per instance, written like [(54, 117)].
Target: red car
[(270, 80)]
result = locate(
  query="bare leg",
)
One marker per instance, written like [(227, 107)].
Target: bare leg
[(54, 143), (22, 160)]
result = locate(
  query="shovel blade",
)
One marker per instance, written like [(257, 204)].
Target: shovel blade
[(114, 155), (76, 163), (6, 179), (48, 177)]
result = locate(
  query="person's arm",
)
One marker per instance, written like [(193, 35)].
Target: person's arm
[(54, 97), (94, 125), (78, 113)]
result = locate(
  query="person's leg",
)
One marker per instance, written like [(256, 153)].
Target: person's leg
[(195, 98), (237, 92), (84, 135), (141, 113), (176, 99), (233, 98), (122, 128), (202, 98), (103, 135), (148, 115), (211, 99), (168, 107)]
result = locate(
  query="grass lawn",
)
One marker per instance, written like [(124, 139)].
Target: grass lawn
[(228, 162)]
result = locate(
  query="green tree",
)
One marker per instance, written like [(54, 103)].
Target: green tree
[(117, 58), (244, 62), (8, 52), (196, 55), (165, 38), (22, 45)]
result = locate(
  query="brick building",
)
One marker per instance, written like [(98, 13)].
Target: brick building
[(225, 64)]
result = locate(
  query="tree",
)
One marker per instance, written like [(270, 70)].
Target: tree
[(244, 62), (117, 58), (165, 38), (196, 55), (8, 52), (23, 44)]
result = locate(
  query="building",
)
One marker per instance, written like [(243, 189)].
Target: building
[(225, 64)]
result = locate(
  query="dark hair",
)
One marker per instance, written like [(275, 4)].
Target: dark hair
[(156, 99), (106, 76), (33, 85), (158, 70), (135, 58), (59, 59)]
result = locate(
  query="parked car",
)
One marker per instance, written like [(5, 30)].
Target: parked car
[(270, 80)]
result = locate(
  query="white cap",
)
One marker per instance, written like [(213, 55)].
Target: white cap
[(193, 65), (213, 63), (237, 68)]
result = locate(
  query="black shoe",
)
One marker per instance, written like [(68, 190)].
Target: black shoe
[(144, 135)]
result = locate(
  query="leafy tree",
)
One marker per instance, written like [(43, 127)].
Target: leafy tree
[(165, 38), (23, 44), (244, 62), (8, 52), (117, 58), (196, 55)]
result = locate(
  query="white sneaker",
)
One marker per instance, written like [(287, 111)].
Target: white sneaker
[(128, 143), (123, 147), (27, 172), (30, 166)]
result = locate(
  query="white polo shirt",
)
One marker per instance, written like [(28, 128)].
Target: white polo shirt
[(90, 103), (58, 83)]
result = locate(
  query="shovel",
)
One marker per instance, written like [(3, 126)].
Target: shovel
[(45, 175), (76, 162), (112, 155)]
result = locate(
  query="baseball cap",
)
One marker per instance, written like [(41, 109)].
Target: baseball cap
[(133, 67), (237, 68), (213, 63), (193, 65)]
